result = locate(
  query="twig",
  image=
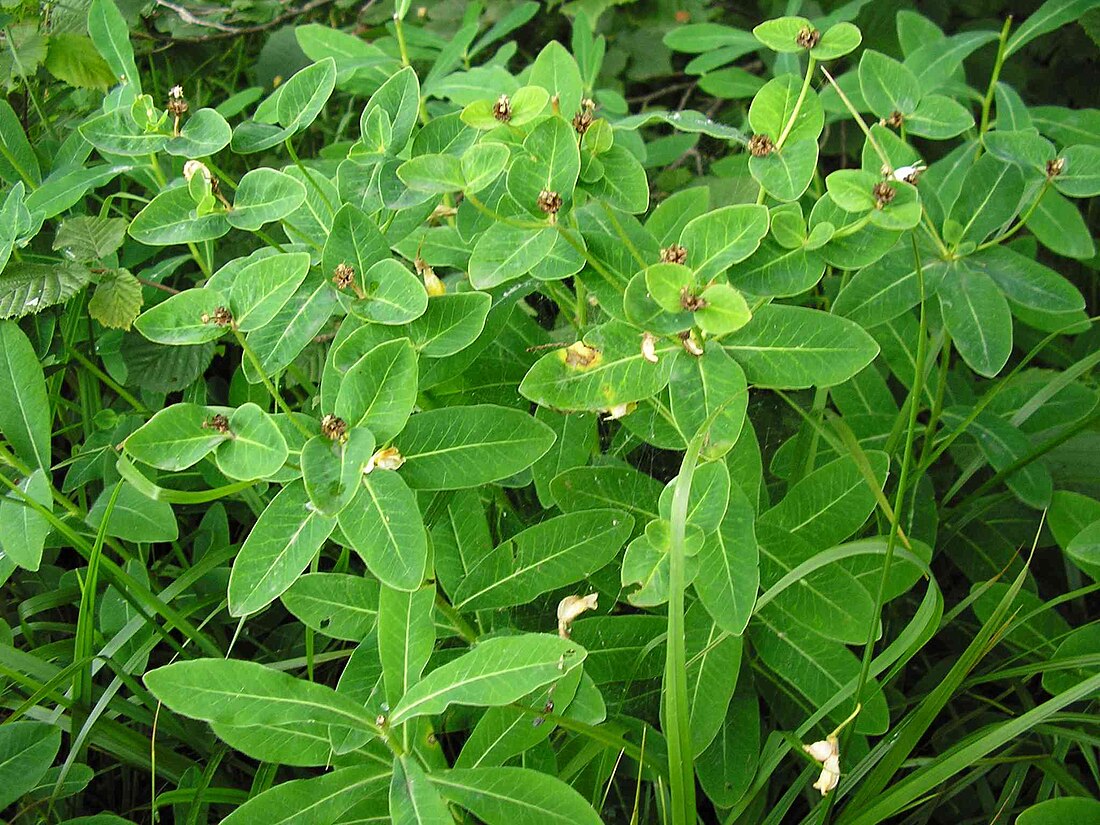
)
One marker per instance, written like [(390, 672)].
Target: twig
[(224, 31)]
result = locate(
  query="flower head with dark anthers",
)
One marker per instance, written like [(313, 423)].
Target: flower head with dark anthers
[(690, 301), (343, 275), (1055, 167), (549, 202), (220, 317), (674, 254), (808, 37), (884, 193), (177, 103), (760, 146), (334, 428), (584, 117), (502, 109), (894, 121), (219, 423)]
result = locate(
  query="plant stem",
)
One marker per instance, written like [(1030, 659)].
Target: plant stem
[(279, 402), (307, 174), (987, 101)]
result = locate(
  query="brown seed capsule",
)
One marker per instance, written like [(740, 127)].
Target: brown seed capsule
[(219, 423), (334, 428), (221, 317), (808, 37), (760, 146), (1055, 167), (343, 275), (549, 202), (690, 301), (884, 193), (894, 121), (674, 254), (177, 103), (502, 109)]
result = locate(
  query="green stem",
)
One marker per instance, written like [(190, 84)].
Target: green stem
[(1012, 230), (400, 32), (987, 101), (464, 628), (108, 381), (797, 104), (279, 402), (308, 175)]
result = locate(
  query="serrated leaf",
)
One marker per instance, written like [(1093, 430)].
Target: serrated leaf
[(117, 299), (27, 288)]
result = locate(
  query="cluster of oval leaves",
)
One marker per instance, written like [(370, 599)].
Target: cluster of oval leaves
[(667, 314)]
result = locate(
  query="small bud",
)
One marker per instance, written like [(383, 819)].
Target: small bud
[(808, 37), (334, 428), (219, 423), (884, 193), (827, 752), (1055, 167), (682, 16), (549, 202), (432, 285), (649, 347), (502, 109), (388, 458), (619, 411), (421, 12), (580, 354), (221, 317), (760, 146), (571, 607), (674, 254), (690, 301), (687, 339), (343, 275), (196, 167), (380, 720), (894, 121)]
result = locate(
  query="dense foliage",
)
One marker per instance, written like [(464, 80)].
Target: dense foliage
[(605, 411)]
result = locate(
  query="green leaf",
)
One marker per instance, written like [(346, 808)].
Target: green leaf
[(725, 310), (1026, 282), (117, 299), (379, 390), (795, 347), (303, 96), (455, 447), (989, 198), (25, 412), (399, 98), (1052, 15), (550, 162), (177, 437), (786, 174), (1080, 175), (204, 133), (241, 693), (1003, 444), (1058, 225), (170, 218), (552, 554), (27, 749), (508, 795), (262, 287), (111, 37), (556, 71), (710, 385), (714, 662), (135, 517), (184, 318), (279, 342), (976, 314), (495, 672), (285, 538), (264, 195), (618, 372), (25, 529), (89, 238), (938, 57), (887, 85), (1067, 808), (939, 117), (413, 799), (117, 133), (686, 120), (335, 604), (392, 295), (623, 184), (576, 441), (723, 237), (384, 526), (406, 637), (505, 253), (317, 799), (775, 105), (255, 447), (837, 41), (731, 83), (73, 59), (781, 34), (17, 159), (354, 240), (726, 768), (728, 574), (27, 288), (433, 173), (331, 469), (482, 164)]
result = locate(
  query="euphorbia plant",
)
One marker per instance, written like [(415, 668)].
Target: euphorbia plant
[(427, 466)]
